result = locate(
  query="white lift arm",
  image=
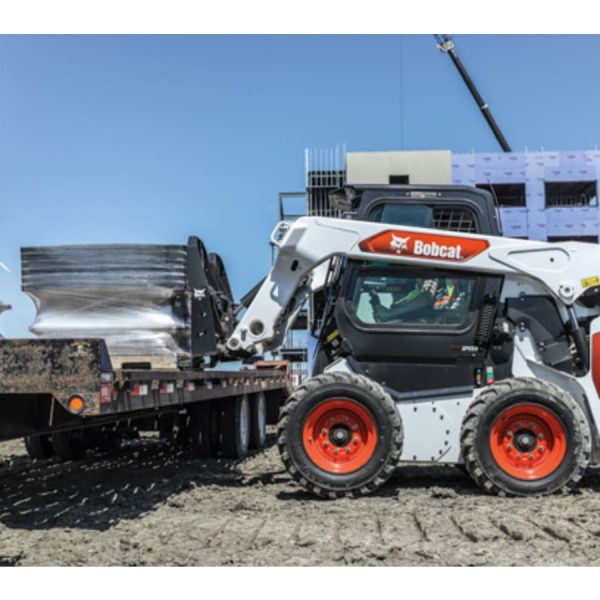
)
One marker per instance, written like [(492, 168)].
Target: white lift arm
[(565, 269)]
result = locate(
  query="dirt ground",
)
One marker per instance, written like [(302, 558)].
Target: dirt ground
[(154, 506)]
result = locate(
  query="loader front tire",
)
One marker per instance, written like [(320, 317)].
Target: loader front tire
[(339, 434), (525, 437)]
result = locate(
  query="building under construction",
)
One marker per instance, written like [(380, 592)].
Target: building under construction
[(541, 195)]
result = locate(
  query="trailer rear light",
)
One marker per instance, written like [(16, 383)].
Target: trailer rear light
[(107, 392), (167, 388), (76, 404), (189, 386)]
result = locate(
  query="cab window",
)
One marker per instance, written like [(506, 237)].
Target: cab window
[(394, 297)]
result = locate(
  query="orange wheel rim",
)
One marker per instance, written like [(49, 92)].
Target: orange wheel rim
[(339, 436), (528, 442)]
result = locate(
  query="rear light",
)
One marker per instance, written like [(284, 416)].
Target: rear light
[(76, 404)]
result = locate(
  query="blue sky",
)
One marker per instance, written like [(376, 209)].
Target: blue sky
[(154, 138)]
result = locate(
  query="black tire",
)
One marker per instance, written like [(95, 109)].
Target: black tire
[(181, 432), (235, 427), (166, 425), (315, 393), (69, 445), (39, 446), (200, 431), (258, 421), (110, 442), (488, 409)]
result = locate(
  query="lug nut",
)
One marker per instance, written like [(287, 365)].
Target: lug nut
[(518, 456), (347, 450), (509, 434), (323, 431), (531, 457), (509, 447), (336, 451), (325, 444), (540, 449), (540, 436)]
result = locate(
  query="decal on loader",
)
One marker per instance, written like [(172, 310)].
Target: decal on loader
[(423, 245)]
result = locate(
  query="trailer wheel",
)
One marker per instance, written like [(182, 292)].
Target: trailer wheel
[(166, 424), (200, 430), (258, 421), (69, 445), (525, 437), (111, 442), (340, 434), (38, 446), (235, 427)]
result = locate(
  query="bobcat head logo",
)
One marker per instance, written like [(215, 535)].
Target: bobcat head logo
[(399, 244)]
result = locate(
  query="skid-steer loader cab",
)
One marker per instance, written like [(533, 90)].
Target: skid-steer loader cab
[(412, 328)]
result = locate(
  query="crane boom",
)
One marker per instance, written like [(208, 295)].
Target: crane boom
[(446, 45)]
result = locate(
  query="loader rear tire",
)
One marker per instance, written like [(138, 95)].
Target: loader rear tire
[(340, 434), (39, 446), (525, 437)]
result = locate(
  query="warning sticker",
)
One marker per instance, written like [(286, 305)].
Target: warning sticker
[(590, 281)]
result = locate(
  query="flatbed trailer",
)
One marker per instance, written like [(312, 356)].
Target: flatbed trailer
[(51, 388)]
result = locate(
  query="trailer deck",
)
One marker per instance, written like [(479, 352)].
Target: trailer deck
[(49, 385)]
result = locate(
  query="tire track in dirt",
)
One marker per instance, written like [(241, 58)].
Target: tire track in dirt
[(152, 506)]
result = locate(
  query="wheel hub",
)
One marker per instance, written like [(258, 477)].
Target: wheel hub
[(339, 435), (525, 440), (528, 441)]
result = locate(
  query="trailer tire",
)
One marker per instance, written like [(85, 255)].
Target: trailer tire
[(111, 443), (525, 437), (235, 427), (68, 445), (258, 421), (340, 414), (39, 446), (200, 430), (166, 425)]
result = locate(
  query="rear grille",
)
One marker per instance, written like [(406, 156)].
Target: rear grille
[(454, 219)]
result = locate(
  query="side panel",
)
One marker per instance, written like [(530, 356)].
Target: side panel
[(432, 428)]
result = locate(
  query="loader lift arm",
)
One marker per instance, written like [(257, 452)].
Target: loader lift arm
[(563, 269)]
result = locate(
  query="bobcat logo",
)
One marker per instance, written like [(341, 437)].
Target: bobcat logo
[(399, 244)]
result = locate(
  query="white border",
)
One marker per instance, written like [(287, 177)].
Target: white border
[(296, 16)]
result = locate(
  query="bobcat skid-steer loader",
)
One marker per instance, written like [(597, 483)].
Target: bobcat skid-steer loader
[(439, 342)]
